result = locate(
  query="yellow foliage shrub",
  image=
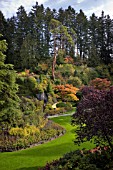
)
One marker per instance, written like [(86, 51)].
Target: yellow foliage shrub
[(42, 122), (27, 131), (16, 131)]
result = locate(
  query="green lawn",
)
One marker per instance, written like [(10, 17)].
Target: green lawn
[(32, 158)]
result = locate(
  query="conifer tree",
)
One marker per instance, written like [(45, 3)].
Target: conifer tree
[(82, 34), (9, 101), (93, 52), (21, 32), (3, 24), (10, 58)]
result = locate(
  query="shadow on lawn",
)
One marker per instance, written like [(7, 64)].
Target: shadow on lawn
[(28, 168)]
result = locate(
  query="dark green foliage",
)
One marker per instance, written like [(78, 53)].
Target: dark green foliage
[(61, 104), (83, 75), (57, 82), (27, 85), (79, 95), (82, 34), (3, 24), (75, 81), (32, 109), (102, 71), (93, 58), (9, 101), (49, 88)]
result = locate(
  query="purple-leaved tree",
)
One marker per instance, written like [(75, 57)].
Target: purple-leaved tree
[(94, 117)]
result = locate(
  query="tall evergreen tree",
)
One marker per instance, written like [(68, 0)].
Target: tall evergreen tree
[(3, 24), (102, 37), (21, 32), (9, 101), (10, 58), (38, 27), (61, 15), (93, 52), (48, 16), (82, 34), (92, 31), (109, 39)]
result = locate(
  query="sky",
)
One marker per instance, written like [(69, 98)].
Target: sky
[(9, 7)]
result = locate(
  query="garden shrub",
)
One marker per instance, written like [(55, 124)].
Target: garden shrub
[(100, 84), (40, 88), (20, 80), (75, 81), (61, 104), (16, 131), (83, 160), (102, 71), (56, 111), (66, 70), (57, 81), (31, 82), (66, 92), (19, 138)]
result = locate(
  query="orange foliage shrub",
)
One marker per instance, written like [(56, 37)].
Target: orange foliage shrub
[(69, 59), (100, 84), (67, 92)]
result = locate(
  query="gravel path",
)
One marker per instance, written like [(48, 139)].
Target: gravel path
[(61, 115)]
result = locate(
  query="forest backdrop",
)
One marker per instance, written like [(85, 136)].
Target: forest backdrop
[(30, 41)]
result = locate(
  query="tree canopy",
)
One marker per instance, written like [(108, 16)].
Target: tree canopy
[(94, 117), (30, 36)]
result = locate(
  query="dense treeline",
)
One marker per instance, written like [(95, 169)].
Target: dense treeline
[(30, 41)]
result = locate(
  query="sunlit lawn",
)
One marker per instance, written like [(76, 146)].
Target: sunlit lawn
[(38, 156)]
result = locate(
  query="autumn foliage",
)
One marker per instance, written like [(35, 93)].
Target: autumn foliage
[(100, 84), (69, 60), (66, 92)]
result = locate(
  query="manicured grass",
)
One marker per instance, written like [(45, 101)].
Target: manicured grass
[(38, 156)]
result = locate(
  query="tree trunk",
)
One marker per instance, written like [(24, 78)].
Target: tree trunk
[(53, 66), (54, 58)]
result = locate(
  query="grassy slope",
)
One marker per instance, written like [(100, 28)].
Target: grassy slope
[(38, 156)]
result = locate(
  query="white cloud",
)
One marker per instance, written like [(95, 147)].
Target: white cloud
[(61, 1), (80, 1), (9, 7), (107, 7), (97, 10)]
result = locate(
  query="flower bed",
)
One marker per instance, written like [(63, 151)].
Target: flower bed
[(20, 138)]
